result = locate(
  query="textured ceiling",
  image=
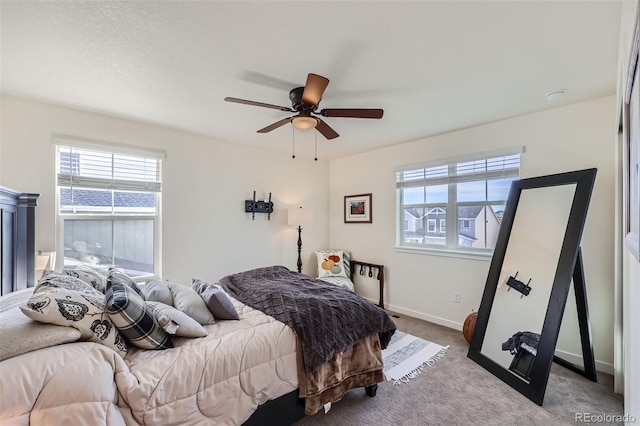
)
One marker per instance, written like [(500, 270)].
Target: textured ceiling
[(433, 66)]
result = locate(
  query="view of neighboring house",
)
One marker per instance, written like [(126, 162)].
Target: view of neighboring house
[(477, 226), (90, 240)]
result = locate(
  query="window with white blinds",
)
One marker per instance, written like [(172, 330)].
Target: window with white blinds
[(465, 197), (108, 206), (86, 168)]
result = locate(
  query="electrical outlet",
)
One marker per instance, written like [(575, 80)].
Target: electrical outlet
[(457, 297)]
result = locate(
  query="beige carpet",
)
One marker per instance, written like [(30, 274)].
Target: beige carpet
[(457, 391)]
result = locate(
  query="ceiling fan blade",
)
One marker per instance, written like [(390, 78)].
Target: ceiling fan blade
[(275, 125), (260, 104), (352, 112), (325, 130), (314, 88)]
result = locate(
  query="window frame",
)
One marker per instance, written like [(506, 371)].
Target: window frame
[(65, 142), (452, 227)]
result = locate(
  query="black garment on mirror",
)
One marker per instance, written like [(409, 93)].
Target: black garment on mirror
[(521, 337)]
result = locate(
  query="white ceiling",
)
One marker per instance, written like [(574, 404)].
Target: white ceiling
[(433, 66)]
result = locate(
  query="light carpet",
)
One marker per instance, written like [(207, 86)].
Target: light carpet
[(406, 356)]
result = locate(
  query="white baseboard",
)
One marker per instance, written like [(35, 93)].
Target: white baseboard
[(430, 318), (571, 357), (577, 360)]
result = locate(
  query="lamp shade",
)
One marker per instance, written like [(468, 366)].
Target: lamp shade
[(304, 122), (299, 216)]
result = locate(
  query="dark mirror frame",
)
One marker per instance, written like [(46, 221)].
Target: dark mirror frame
[(535, 388)]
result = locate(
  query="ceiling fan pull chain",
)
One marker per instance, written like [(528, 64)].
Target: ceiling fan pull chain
[(315, 135), (293, 142)]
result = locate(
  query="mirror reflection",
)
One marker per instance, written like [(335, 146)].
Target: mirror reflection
[(527, 277), (537, 256)]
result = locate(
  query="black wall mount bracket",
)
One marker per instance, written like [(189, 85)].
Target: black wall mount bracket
[(523, 288), (253, 207)]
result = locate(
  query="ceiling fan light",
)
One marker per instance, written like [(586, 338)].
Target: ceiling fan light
[(304, 122)]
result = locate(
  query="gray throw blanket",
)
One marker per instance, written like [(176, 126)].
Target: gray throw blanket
[(327, 319)]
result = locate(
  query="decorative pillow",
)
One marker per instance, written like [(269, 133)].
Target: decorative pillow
[(158, 291), (89, 275), (181, 297), (133, 318), (68, 301), (117, 276), (188, 301), (333, 263), (19, 334), (216, 299), (176, 322)]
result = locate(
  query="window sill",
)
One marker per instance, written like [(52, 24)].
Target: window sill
[(482, 256)]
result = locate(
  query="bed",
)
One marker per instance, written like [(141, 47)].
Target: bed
[(264, 368)]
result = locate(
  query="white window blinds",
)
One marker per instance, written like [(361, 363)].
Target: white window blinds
[(82, 167), (457, 171)]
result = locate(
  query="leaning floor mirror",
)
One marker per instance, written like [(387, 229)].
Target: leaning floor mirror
[(536, 259)]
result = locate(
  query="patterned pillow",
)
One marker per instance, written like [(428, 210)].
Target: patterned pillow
[(133, 318), (176, 322), (217, 301), (89, 275), (68, 301), (333, 263)]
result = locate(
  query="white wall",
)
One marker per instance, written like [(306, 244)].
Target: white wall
[(558, 140), (630, 267), (207, 234), (205, 231)]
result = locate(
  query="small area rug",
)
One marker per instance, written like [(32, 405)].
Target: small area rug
[(407, 355)]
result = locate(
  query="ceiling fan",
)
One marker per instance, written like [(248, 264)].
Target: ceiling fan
[(304, 101)]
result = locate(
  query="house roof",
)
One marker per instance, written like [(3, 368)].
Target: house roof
[(468, 212), (83, 197)]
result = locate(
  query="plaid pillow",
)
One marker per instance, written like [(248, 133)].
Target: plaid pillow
[(133, 318), (118, 276)]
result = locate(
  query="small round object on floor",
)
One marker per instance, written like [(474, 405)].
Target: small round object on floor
[(468, 326)]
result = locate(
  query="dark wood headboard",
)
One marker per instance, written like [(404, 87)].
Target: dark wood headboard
[(17, 239)]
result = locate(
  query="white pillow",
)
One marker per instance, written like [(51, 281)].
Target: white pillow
[(333, 263), (176, 322), (187, 300), (158, 291), (184, 298)]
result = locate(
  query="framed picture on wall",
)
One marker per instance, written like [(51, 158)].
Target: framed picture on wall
[(357, 208), (631, 135)]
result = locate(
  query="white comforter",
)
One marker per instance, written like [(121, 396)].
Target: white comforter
[(219, 379)]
